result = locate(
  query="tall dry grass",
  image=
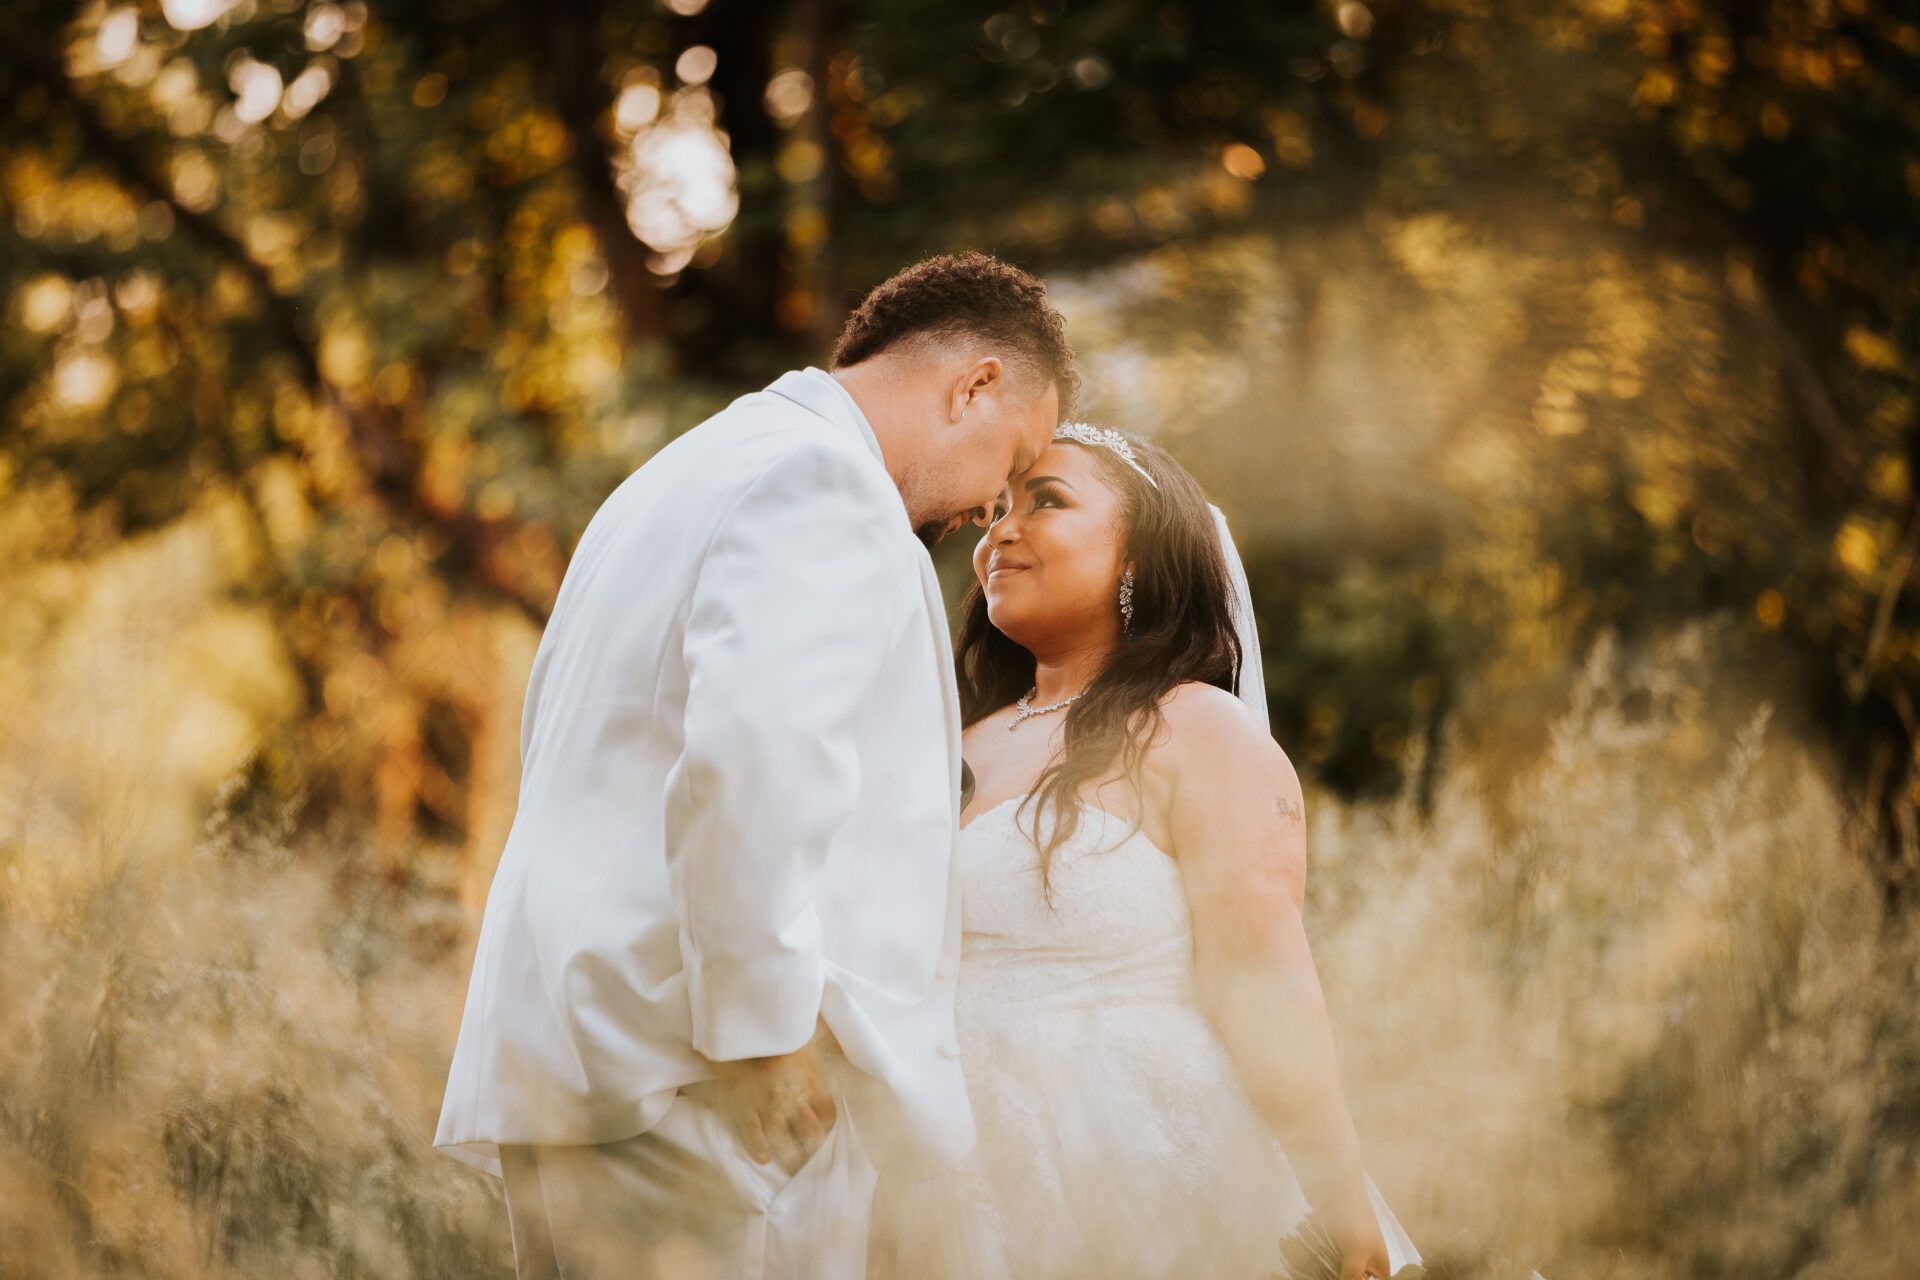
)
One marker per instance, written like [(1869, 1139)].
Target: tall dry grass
[(1634, 1007), (1631, 1007), (228, 1067)]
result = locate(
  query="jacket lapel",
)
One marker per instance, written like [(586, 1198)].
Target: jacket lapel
[(815, 391), (949, 684)]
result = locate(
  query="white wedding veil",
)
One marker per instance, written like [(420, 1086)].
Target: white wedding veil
[(1251, 688)]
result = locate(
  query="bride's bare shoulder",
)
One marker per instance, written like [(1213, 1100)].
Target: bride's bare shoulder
[(1234, 800), (1204, 709), (1211, 729)]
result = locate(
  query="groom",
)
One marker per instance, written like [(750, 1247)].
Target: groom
[(715, 974)]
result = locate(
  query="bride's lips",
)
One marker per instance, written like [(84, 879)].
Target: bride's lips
[(1000, 569)]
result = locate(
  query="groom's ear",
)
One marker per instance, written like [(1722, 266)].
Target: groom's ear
[(975, 380)]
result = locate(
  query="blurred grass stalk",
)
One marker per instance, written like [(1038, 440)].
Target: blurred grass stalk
[(224, 1066)]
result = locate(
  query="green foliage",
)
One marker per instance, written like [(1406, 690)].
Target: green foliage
[(1358, 665), (1070, 133)]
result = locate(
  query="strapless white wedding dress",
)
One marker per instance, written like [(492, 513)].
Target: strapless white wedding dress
[(1116, 1141)]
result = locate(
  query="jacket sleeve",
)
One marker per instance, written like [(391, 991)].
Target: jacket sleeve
[(790, 617)]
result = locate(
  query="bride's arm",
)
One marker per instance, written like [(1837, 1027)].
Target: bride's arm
[(1238, 831)]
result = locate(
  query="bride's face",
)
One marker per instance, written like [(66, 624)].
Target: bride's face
[(1051, 561)]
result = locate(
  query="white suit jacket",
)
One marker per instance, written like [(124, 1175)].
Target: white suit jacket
[(739, 794)]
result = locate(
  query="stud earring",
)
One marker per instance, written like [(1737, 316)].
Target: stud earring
[(1126, 602)]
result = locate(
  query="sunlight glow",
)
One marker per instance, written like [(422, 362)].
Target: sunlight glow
[(176, 83), (256, 86), (308, 88), (697, 64), (637, 106), (191, 15), (84, 380), (196, 184), (1243, 162), (118, 37), (46, 303), (789, 94), (679, 179), (325, 25), (138, 293), (1356, 20)]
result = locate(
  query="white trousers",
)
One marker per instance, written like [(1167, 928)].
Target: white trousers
[(684, 1201)]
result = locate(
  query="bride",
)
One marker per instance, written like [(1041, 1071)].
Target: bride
[(1140, 1023)]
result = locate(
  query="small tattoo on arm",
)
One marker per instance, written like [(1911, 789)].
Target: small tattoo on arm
[(1290, 811)]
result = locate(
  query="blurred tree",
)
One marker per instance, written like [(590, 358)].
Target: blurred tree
[(1765, 159), (419, 281), (1786, 138)]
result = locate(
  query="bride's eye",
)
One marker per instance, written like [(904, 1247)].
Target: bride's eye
[(1047, 497)]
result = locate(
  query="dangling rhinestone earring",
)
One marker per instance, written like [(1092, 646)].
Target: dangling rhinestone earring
[(1126, 602)]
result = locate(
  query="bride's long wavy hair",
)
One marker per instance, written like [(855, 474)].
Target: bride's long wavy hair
[(1182, 630)]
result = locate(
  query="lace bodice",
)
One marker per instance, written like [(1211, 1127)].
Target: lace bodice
[(1116, 1139), (1109, 927)]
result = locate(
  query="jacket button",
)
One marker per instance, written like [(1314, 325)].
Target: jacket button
[(949, 1050), (947, 968)]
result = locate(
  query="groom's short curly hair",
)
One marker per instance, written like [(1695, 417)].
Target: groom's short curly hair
[(966, 295)]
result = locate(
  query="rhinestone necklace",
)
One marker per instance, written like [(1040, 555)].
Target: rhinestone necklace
[(1023, 710)]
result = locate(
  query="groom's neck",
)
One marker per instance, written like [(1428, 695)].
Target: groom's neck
[(883, 388)]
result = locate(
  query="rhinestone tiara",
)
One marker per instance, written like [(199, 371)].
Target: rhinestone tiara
[(1103, 438)]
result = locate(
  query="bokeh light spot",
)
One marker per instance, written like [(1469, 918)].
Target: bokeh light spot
[(256, 88), (637, 107), (308, 88), (1090, 71), (789, 95), (1242, 161), (118, 37), (45, 303), (196, 184), (800, 161), (84, 380), (325, 25), (697, 64), (191, 15), (679, 178), (430, 90)]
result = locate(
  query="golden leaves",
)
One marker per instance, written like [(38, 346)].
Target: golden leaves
[(1860, 545), (1242, 161), (1871, 350)]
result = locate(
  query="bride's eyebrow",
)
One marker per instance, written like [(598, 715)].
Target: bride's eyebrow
[(1034, 482)]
